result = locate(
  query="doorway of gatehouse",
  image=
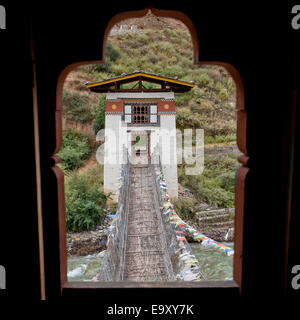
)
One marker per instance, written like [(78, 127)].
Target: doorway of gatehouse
[(140, 147)]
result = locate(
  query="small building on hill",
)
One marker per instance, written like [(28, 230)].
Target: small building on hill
[(140, 117)]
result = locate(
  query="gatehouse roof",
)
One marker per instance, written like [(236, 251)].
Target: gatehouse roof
[(115, 84)]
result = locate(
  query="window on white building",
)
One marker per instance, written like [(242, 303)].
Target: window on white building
[(140, 113)]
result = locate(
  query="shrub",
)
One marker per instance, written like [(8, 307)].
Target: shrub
[(219, 86), (182, 99), (166, 47), (223, 94), (104, 67), (183, 118), (76, 107), (185, 208), (219, 165), (195, 107), (174, 71), (111, 52), (229, 84), (168, 33), (94, 174), (205, 107), (214, 74), (142, 38), (220, 138), (204, 80), (210, 191), (75, 149), (186, 63), (85, 203), (227, 181), (99, 113), (216, 184), (111, 55), (153, 58)]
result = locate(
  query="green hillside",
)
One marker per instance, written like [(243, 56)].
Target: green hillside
[(210, 105)]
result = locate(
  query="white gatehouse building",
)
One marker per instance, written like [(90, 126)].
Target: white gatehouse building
[(140, 116)]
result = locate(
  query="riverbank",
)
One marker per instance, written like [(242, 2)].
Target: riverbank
[(214, 263), (215, 224), (88, 242)]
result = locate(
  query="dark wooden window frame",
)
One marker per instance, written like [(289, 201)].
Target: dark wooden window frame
[(140, 114), (133, 114), (236, 283)]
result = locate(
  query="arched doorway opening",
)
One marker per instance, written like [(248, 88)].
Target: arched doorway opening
[(241, 127)]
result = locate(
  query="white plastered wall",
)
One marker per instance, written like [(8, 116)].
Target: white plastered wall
[(116, 136), (168, 153), (112, 153)]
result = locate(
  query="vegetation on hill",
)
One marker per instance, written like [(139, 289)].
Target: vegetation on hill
[(75, 150), (209, 106), (85, 203), (99, 115), (215, 185), (76, 107)]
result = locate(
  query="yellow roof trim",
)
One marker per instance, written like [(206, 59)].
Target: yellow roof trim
[(137, 75)]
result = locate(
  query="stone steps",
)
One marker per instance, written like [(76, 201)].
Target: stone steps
[(215, 223), (215, 212)]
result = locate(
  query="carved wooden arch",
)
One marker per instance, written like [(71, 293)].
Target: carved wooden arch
[(241, 140)]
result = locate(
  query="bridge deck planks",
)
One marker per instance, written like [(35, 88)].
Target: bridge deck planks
[(144, 253)]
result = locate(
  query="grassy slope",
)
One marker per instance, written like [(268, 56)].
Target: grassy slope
[(210, 105), (168, 51)]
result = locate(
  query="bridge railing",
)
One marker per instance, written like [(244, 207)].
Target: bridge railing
[(113, 264), (184, 263)]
